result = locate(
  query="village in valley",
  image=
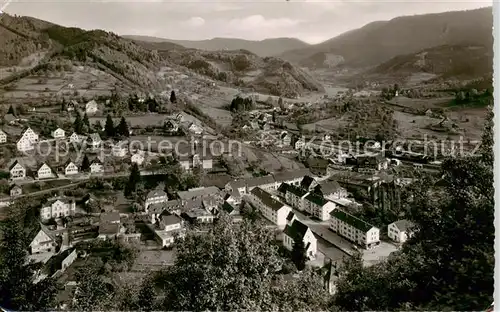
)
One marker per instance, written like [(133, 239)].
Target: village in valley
[(115, 155)]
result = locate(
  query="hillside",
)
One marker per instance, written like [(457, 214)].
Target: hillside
[(380, 41), (461, 62), (244, 69), (267, 47), (34, 45)]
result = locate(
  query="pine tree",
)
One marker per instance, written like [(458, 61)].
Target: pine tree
[(86, 120), (173, 98), (78, 124), (133, 180), (122, 128), (299, 256), (63, 105), (85, 163), (109, 127), (12, 110)]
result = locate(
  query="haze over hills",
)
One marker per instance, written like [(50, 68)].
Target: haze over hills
[(267, 47), (380, 41)]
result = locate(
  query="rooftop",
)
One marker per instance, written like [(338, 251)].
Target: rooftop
[(351, 220), (291, 175), (198, 192), (403, 225), (296, 230), (316, 199), (267, 199)]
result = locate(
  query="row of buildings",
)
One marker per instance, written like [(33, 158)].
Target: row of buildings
[(20, 171)]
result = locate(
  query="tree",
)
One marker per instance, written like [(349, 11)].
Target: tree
[(109, 127), (122, 128), (173, 98), (448, 263), (299, 256), (85, 163), (63, 105), (78, 124), (12, 111), (18, 290), (93, 293), (281, 104), (134, 179), (234, 268), (86, 120)]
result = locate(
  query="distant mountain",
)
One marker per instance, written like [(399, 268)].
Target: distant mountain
[(380, 41), (267, 47), (463, 62)]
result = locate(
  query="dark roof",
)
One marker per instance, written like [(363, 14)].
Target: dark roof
[(283, 188), (55, 262), (267, 179), (170, 219), (227, 207), (403, 225), (14, 164), (199, 192), (267, 199), (327, 187), (156, 193), (306, 182), (351, 220), (297, 191), (160, 207), (290, 216), (296, 230), (317, 199), (291, 175)]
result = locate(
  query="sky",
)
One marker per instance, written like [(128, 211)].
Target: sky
[(312, 21)]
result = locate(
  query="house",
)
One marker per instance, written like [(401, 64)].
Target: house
[(230, 209), (199, 192), (189, 162), (244, 186), (271, 208), (44, 172), (400, 230), (58, 263), (138, 158), (155, 210), (299, 231), (292, 177), (94, 140), (58, 208), (91, 107), (44, 241), (96, 166), (70, 168), (376, 162), (171, 125), (58, 134), (71, 105), (15, 190), (76, 138), (354, 229), (155, 197), (285, 139), (308, 183), (169, 222), (119, 149), (318, 206), (330, 189), (17, 171), (3, 137), (109, 225), (300, 143), (195, 129), (295, 197), (27, 141)]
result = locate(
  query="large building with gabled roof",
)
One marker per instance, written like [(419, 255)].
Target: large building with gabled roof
[(270, 207), (354, 229), (298, 230)]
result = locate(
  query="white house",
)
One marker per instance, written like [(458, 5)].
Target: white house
[(44, 172), (155, 197), (189, 162), (244, 186), (96, 166), (94, 140), (195, 129), (119, 149), (298, 230), (271, 208), (3, 137), (76, 138), (292, 177), (70, 168), (138, 158), (354, 229), (58, 133), (58, 208), (27, 140), (318, 206), (295, 197), (91, 107), (400, 230), (17, 171), (43, 241)]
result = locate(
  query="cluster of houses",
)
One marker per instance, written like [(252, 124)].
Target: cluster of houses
[(176, 122)]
